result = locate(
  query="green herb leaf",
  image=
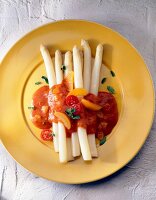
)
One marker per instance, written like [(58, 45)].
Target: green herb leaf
[(70, 113), (45, 79), (112, 73), (69, 110), (53, 134), (103, 141), (73, 110), (76, 117), (111, 89), (38, 83), (103, 80), (31, 107), (63, 68)]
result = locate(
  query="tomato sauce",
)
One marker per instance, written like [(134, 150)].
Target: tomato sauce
[(56, 101), (103, 121), (40, 114), (99, 122)]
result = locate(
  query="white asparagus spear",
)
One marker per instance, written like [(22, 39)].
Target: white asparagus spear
[(78, 81), (68, 62), (55, 138), (94, 89), (52, 81), (58, 66), (62, 143), (92, 144), (69, 150), (81, 55), (61, 129), (48, 65), (84, 144), (74, 136), (82, 134), (86, 79), (87, 64), (68, 65), (75, 144), (96, 70)]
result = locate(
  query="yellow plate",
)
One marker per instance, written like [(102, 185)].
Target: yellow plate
[(23, 65)]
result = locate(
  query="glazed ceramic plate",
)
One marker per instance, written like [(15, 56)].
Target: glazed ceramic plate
[(23, 66)]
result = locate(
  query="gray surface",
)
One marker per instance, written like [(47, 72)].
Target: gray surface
[(136, 20)]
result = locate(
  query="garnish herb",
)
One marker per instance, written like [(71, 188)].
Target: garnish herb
[(111, 89), (31, 107), (103, 80), (75, 117), (112, 73), (70, 113), (38, 83), (103, 141), (53, 134), (45, 79), (63, 68)]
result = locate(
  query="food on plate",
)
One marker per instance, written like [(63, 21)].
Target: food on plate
[(70, 110), (90, 105), (78, 92)]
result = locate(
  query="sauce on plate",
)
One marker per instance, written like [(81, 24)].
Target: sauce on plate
[(46, 101)]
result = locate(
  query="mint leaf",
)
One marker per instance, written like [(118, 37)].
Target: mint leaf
[(31, 107), (38, 83), (112, 73), (76, 117), (63, 68), (103, 141), (103, 80), (111, 89), (70, 113), (45, 79), (73, 110)]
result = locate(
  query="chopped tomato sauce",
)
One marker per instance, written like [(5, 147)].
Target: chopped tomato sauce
[(99, 122), (56, 100), (104, 120), (40, 114)]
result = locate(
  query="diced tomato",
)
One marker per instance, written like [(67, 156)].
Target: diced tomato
[(102, 126), (91, 129), (100, 114), (56, 99), (38, 116), (107, 107), (91, 97), (106, 98), (71, 100), (104, 120), (59, 89), (40, 97), (46, 135)]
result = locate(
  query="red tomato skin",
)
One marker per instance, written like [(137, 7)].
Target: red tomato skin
[(46, 135), (78, 108), (71, 100)]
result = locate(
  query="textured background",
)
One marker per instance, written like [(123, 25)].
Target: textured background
[(136, 20)]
